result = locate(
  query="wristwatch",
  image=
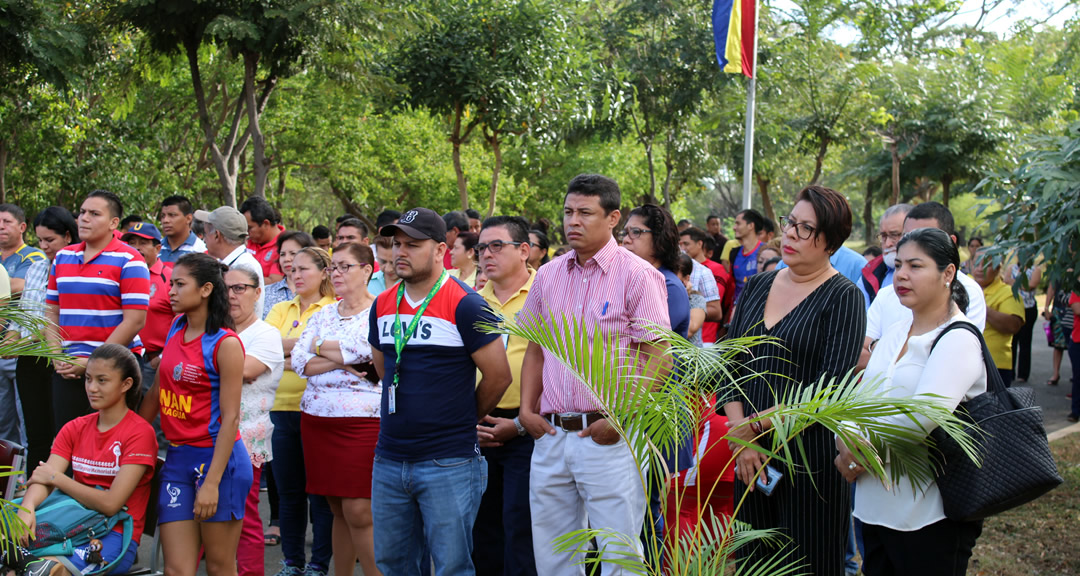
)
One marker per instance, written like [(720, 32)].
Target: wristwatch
[(520, 428), (318, 345)]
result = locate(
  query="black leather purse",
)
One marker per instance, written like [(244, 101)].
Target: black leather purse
[(1016, 464)]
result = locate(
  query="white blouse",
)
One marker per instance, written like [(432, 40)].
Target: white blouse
[(956, 372), (263, 342), (337, 393)]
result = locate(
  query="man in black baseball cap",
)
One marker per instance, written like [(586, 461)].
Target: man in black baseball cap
[(427, 358)]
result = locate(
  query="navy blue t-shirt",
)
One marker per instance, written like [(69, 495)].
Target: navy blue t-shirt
[(436, 396), (678, 302)]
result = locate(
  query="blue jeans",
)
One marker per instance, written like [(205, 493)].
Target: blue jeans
[(431, 501), (293, 498)]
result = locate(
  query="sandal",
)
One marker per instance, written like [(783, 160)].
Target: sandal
[(271, 539), (1053, 381)]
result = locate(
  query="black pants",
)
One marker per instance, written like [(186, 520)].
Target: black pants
[(1021, 344), (33, 376), (940, 549), (69, 400), (502, 533)]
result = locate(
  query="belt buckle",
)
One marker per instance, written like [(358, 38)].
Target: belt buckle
[(571, 416)]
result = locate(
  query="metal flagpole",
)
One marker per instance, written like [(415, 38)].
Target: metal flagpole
[(751, 93)]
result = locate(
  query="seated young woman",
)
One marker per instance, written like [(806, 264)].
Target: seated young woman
[(111, 453)]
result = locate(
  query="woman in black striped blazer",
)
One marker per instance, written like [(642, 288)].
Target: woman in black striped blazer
[(820, 320)]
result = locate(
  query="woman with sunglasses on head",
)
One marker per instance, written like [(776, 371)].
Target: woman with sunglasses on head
[(819, 320), (263, 364), (340, 408), (905, 530), (311, 279), (207, 473)]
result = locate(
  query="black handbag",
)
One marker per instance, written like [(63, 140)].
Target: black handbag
[(1016, 464)]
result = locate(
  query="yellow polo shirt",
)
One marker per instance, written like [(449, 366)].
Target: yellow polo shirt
[(287, 318), (999, 296), (515, 346)]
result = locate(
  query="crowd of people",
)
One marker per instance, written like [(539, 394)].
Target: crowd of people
[(347, 371)]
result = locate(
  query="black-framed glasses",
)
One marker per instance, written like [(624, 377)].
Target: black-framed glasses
[(803, 230), (634, 233), (240, 288), (495, 246), (886, 236), (343, 268)]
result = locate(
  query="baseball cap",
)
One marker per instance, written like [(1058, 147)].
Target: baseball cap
[(419, 223), (227, 219), (143, 230)]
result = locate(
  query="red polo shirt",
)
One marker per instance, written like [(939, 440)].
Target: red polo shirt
[(267, 254), (159, 316)]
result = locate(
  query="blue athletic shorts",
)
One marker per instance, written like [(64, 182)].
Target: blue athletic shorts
[(111, 545), (182, 475)]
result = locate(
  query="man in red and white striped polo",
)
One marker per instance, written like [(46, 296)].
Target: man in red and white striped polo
[(580, 466)]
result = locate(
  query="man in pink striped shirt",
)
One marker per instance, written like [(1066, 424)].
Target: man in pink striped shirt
[(581, 468)]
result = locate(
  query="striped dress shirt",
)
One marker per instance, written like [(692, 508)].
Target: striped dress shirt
[(613, 291)]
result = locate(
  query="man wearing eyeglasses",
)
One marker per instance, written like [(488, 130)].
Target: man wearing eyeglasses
[(878, 272), (502, 534)]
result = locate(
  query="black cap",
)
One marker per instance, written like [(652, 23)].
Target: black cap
[(419, 223)]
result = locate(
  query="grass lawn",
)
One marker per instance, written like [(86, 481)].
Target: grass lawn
[(1039, 538)]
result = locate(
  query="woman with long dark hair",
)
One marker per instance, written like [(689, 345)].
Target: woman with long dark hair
[(207, 473), (55, 228), (538, 249), (905, 530)]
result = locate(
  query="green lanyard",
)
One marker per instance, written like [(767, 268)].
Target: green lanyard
[(402, 334)]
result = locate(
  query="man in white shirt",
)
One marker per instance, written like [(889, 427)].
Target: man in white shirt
[(226, 232), (887, 310)]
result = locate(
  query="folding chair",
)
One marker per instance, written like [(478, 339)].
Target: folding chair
[(151, 524)]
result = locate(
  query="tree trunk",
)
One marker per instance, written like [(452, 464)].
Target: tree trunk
[(455, 141), (669, 166), (946, 184), (258, 143), (819, 160), (226, 164), (868, 212), (894, 148), (652, 173), (3, 170), (495, 149), (763, 189)]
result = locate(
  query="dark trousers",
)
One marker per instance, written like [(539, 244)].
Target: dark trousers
[(1006, 377), (293, 499), (34, 379), (1021, 344), (69, 400), (940, 549), (1074, 359), (502, 533)]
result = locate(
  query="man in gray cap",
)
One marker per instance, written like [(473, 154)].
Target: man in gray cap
[(428, 475), (226, 232)]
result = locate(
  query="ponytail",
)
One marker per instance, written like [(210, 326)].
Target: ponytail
[(959, 293)]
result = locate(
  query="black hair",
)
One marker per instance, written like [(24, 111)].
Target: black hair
[(15, 211), (708, 245), (542, 243), (456, 219), (260, 210), (976, 239), (59, 220), (180, 202), (355, 223), (473, 214), (116, 207), (938, 245), (129, 220), (711, 217), (753, 218), (516, 226), (386, 218), (302, 238), (872, 251), (665, 235), (606, 189), (685, 265), (685, 222), (124, 362), (468, 241), (695, 234), (320, 232), (768, 226), (774, 260), (198, 228), (934, 211), (833, 214), (206, 269)]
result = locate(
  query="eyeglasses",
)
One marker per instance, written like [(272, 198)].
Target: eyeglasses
[(634, 233), (495, 246), (802, 230), (343, 268), (240, 288), (886, 236)]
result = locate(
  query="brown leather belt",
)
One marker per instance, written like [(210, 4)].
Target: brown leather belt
[(573, 422)]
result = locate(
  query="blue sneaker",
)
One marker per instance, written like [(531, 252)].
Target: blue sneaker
[(314, 570), (288, 570)]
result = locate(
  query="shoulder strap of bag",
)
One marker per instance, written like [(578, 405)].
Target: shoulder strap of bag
[(993, 377), (129, 528)]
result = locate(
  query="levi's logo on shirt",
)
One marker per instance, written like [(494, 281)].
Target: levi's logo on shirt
[(423, 331)]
